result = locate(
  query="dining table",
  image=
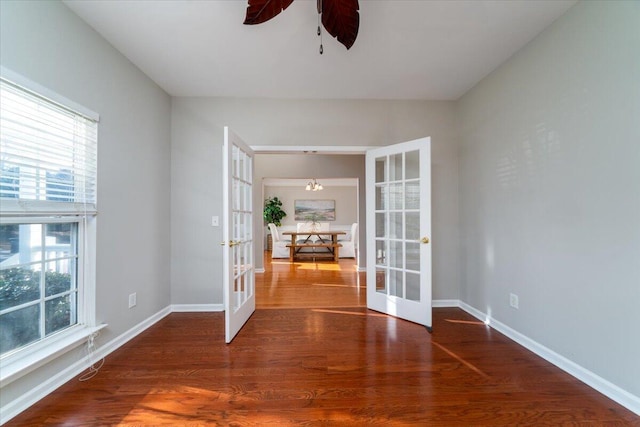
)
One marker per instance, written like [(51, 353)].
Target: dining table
[(325, 241)]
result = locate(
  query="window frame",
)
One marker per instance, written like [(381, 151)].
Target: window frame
[(76, 289), (19, 362)]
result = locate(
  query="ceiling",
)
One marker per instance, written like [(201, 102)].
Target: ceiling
[(406, 49)]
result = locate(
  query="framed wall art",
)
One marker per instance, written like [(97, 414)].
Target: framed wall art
[(315, 210)]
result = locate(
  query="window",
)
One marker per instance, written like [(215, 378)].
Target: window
[(47, 154), (48, 149), (38, 281)]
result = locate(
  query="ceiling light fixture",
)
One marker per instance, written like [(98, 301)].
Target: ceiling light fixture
[(314, 185)]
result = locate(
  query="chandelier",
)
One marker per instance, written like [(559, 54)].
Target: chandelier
[(314, 185)]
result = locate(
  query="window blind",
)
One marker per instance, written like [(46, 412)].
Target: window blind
[(48, 154)]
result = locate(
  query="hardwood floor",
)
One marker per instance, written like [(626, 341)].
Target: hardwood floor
[(312, 354), (310, 284)]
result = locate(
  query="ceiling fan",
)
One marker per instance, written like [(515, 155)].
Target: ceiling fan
[(339, 17)]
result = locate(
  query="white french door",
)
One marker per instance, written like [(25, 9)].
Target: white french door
[(239, 265), (398, 182)]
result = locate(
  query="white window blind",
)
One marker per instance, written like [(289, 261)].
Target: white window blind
[(48, 155)]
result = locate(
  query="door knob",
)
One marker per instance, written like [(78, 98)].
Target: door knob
[(424, 240)]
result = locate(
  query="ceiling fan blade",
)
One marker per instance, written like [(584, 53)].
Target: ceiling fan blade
[(341, 19), (259, 11)]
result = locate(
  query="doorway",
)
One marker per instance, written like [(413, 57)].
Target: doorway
[(310, 283), (339, 169)]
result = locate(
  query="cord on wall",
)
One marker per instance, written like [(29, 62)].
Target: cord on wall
[(93, 368)]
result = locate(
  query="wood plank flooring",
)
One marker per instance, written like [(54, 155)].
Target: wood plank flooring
[(308, 284), (324, 360)]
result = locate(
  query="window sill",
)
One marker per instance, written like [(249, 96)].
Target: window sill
[(32, 357)]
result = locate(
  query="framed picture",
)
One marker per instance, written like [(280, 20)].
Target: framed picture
[(315, 210)]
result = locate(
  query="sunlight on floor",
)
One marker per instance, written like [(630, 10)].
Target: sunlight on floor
[(332, 285), (353, 313), (159, 404), (467, 322), (308, 265), (274, 262), (318, 266), (461, 360), (160, 407)]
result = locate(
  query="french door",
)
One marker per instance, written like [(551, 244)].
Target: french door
[(238, 265), (398, 182)]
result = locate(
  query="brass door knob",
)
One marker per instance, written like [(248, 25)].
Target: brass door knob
[(424, 240)]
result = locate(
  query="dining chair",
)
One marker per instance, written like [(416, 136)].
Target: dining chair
[(349, 243), (279, 247)]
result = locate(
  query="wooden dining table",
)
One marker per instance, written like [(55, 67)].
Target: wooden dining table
[(326, 239)]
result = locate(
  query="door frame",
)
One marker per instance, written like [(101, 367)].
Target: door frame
[(326, 150), (357, 187)]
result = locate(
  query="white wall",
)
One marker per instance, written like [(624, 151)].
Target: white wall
[(197, 124), (47, 43), (550, 190)]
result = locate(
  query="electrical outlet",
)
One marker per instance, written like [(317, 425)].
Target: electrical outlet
[(513, 300), (132, 300), (215, 221)]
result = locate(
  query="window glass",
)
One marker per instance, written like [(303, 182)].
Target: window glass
[(48, 169), (38, 274)]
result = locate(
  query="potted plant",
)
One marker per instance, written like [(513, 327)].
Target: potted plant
[(272, 213)]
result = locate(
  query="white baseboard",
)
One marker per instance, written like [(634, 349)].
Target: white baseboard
[(259, 270), (605, 387), (445, 303), (594, 381), (191, 308), (122, 339), (50, 385)]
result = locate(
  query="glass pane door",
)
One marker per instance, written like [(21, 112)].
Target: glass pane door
[(398, 218), (239, 243)]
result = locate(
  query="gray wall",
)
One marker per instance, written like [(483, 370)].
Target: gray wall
[(548, 183), (47, 43), (196, 130), (550, 190), (196, 196)]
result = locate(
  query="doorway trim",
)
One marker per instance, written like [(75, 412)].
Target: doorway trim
[(318, 149), (311, 149)]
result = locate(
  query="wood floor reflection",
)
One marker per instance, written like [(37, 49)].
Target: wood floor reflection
[(308, 284), (313, 355)]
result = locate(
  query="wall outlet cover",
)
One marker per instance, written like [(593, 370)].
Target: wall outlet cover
[(132, 300)]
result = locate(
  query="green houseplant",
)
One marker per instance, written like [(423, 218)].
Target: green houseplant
[(273, 211)]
